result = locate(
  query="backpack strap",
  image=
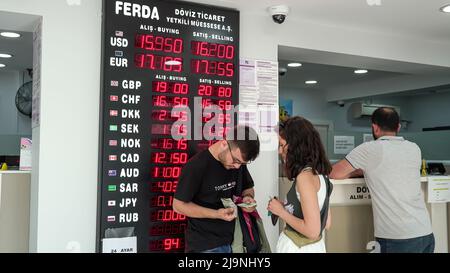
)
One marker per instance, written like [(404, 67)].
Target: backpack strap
[(326, 204)]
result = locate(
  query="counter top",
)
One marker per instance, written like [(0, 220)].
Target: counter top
[(351, 181), (15, 172)]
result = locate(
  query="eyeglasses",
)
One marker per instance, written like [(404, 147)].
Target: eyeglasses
[(235, 160)]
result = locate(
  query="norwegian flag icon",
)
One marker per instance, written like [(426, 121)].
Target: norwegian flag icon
[(113, 113), (119, 33), (114, 98), (115, 83), (113, 143), (113, 158)]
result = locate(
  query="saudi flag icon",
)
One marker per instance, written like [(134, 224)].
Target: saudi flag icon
[(112, 187)]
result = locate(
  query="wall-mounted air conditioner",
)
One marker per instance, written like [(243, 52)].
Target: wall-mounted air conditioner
[(361, 109)]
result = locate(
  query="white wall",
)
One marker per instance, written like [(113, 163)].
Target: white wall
[(64, 190), (344, 121), (308, 103), (65, 198), (429, 111), (312, 104)]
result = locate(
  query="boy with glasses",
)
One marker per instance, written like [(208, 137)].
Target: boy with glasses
[(216, 173)]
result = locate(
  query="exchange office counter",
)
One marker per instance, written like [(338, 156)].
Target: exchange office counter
[(14, 211), (348, 193)]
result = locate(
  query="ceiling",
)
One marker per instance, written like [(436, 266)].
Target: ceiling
[(420, 19), (21, 48), (328, 76)]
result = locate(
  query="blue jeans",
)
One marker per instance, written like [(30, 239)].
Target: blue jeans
[(219, 249), (424, 244)]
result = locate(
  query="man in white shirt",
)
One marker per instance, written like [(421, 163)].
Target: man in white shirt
[(391, 168)]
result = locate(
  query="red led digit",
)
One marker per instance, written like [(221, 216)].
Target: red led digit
[(172, 243), (224, 118), (166, 129), (230, 70), (168, 45), (204, 49), (160, 101), (170, 87), (224, 92), (182, 144), (204, 64), (162, 87), (157, 62), (225, 104), (166, 172), (161, 201), (178, 46), (178, 158), (221, 51), (206, 103), (164, 186), (148, 42), (204, 90), (168, 144), (167, 245), (212, 68), (139, 60), (159, 43), (212, 50), (139, 41), (169, 158), (165, 101), (230, 52), (221, 69), (180, 88)]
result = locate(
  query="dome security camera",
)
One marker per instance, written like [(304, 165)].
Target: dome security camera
[(282, 71), (279, 13)]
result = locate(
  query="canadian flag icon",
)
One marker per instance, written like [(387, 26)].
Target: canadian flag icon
[(112, 157)]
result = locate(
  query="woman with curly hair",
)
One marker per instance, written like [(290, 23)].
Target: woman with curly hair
[(305, 209)]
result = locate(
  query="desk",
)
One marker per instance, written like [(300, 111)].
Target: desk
[(14, 211), (354, 192)]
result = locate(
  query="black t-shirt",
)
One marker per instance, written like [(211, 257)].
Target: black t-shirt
[(204, 181)]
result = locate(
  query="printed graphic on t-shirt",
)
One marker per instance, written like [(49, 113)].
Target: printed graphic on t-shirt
[(225, 187)]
